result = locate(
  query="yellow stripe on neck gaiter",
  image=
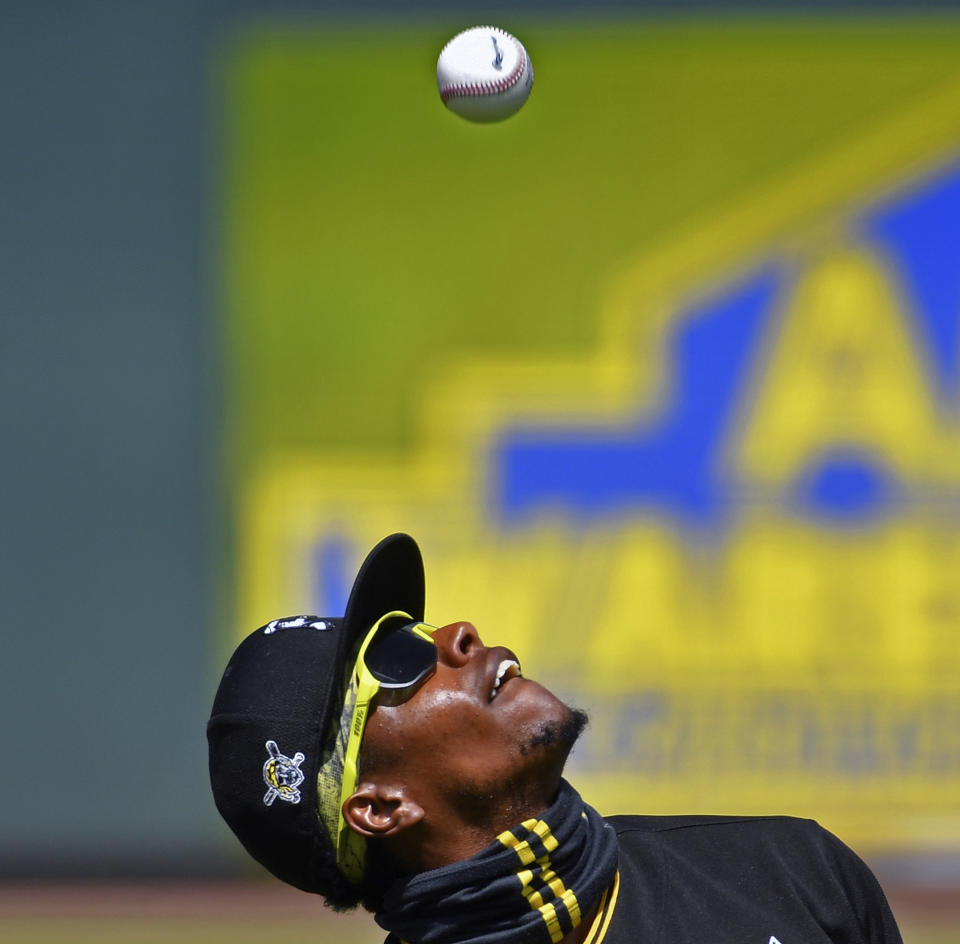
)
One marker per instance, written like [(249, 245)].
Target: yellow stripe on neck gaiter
[(547, 877)]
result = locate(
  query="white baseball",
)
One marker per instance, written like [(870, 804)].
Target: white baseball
[(484, 74)]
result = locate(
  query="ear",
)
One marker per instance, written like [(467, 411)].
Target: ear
[(378, 810)]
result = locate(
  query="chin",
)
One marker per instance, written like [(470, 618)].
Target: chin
[(544, 722), (558, 735)]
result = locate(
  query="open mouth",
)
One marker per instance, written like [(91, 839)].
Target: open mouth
[(506, 670)]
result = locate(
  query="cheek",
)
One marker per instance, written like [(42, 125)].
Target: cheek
[(447, 734), (430, 724), (451, 722)]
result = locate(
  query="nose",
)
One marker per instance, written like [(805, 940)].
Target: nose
[(457, 643)]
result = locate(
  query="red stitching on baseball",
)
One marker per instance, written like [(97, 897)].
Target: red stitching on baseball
[(462, 89)]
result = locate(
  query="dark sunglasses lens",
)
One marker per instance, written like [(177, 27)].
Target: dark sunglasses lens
[(397, 656)]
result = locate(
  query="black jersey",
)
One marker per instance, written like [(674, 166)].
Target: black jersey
[(727, 880)]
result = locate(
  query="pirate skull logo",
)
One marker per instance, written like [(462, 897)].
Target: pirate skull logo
[(282, 775)]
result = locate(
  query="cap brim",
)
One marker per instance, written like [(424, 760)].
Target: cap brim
[(390, 578)]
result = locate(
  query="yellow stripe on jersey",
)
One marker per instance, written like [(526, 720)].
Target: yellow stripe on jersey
[(601, 922)]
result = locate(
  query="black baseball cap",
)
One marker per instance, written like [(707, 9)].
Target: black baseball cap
[(275, 716)]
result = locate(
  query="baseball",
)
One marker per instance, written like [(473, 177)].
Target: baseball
[(484, 74)]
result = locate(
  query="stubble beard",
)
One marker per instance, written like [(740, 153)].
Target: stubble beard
[(559, 734), (490, 805)]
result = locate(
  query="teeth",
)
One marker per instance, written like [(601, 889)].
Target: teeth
[(508, 669)]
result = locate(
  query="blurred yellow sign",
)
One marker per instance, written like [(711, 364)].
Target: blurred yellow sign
[(730, 530)]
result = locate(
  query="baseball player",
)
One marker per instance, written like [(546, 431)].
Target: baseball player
[(378, 760)]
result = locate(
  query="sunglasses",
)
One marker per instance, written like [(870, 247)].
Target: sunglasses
[(395, 658), (400, 656)]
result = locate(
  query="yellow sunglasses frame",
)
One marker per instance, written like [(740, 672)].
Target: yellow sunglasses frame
[(351, 846)]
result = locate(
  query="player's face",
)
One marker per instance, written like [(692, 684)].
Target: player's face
[(477, 732)]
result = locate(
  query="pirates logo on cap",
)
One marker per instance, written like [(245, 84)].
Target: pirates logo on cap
[(282, 775)]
